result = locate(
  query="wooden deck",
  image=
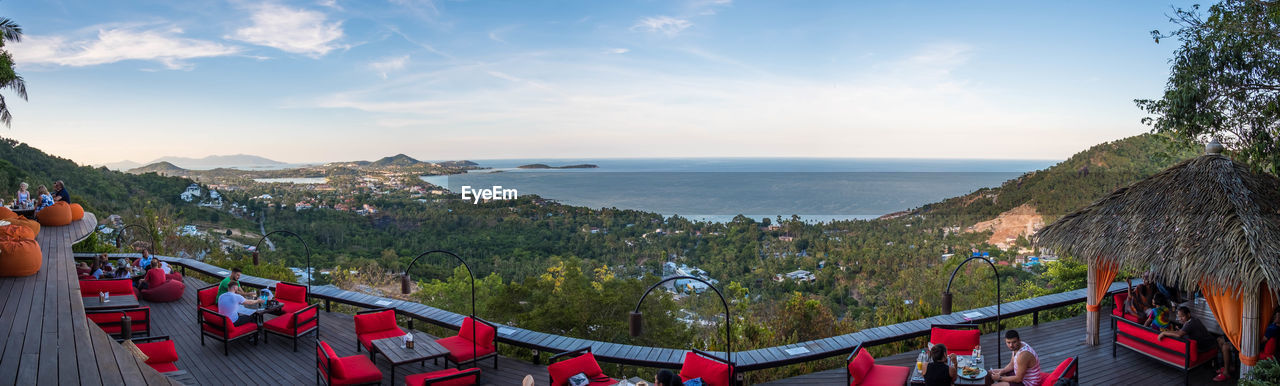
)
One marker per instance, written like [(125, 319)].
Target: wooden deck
[(275, 363), (1054, 342), (47, 339)]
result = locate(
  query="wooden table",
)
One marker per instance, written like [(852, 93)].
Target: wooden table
[(424, 347), (114, 302)]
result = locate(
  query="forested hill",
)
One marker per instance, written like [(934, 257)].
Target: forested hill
[(95, 188), (1068, 185)]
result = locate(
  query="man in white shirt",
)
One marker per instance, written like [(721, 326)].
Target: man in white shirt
[(232, 305)]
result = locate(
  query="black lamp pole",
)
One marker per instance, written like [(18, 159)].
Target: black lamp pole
[(310, 275), (404, 289), (946, 295), (637, 316), (151, 235)]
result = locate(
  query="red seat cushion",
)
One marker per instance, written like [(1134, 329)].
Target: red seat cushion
[(110, 321), (163, 367), (887, 375), (421, 379), (1060, 372), (284, 323), (461, 349), (290, 307), (860, 365), (1268, 349), (366, 340), (562, 370), (483, 332), (208, 297), (234, 331), (1146, 339), (168, 291), (712, 372), (159, 352), (292, 293), (959, 342), (90, 288), (355, 369), (1119, 299)]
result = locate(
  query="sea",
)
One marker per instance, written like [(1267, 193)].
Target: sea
[(719, 189)]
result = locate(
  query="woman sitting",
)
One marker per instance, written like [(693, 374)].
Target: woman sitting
[(44, 198), (1139, 301), (942, 371), (24, 197)]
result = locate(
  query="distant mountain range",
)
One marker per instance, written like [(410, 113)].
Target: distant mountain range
[(206, 163)]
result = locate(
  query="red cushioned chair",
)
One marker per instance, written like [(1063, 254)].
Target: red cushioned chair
[(861, 369), (222, 328), (1118, 300), (1178, 352), (375, 324), (461, 348), (116, 287), (446, 377), (713, 370), (580, 361), (959, 338), (292, 296), (352, 370), (294, 325), (160, 288), (109, 320), (206, 299), (161, 353), (1065, 370)]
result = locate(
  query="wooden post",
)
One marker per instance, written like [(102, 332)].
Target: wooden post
[(1091, 317), (1249, 328)]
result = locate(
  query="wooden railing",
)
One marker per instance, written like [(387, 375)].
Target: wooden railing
[(749, 360)]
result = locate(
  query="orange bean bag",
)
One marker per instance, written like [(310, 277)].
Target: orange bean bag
[(20, 257), (6, 213), (19, 232), (55, 215), (29, 224), (77, 212)]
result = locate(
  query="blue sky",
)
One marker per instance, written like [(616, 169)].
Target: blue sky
[(307, 81)]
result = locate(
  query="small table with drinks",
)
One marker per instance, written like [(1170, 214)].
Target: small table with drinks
[(398, 350), (109, 302), (969, 369)]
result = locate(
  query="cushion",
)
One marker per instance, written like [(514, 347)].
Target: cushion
[(155, 277), (168, 291), (90, 288), (6, 213), (712, 372), (1119, 299), (208, 297), (483, 332), (355, 369), (1146, 339), (233, 331), (291, 293), (377, 321), (1268, 349), (562, 370), (290, 307), (959, 342), (159, 352), (887, 375), (77, 212), (461, 349), (860, 365), (421, 379), (367, 339), (284, 323), (173, 276), (109, 322), (20, 257), (1059, 372), (58, 214), (33, 225), (163, 367), (14, 231)]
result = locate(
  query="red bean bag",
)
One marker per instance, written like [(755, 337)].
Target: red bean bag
[(29, 224), (77, 212), (160, 288), (55, 215), (20, 257), (19, 232), (6, 214)]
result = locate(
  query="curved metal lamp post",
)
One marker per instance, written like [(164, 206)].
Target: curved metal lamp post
[(637, 317), (404, 289), (946, 295), (151, 235), (310, 276)]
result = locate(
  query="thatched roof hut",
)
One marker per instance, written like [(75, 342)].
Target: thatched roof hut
[(1206, 218)]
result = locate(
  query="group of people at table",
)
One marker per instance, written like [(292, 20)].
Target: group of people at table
[(43, 197), (1023, 368), (102, 268)]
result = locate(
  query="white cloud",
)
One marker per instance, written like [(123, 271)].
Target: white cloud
[(617, 51), (666, 25), (297, 31), (114, 44), (388, 65)]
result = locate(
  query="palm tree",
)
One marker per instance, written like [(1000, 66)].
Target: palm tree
[(10, 31)]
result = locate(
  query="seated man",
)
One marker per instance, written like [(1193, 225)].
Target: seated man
[(1193, 329), (1024, 366), (1139, 301), (225, 284), (232, 305)]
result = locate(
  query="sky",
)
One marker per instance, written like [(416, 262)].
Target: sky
[(335, 80)]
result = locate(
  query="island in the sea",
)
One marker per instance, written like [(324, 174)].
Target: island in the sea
[(545, 166)]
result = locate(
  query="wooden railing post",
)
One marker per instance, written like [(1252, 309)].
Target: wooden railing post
[(1035, 318)]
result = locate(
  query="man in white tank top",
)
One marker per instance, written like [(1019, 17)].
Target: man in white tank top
[(1024, 366)]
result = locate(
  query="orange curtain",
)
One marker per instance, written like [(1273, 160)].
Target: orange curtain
[(1228, 310), (1106, 274)]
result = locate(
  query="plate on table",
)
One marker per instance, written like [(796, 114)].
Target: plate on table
[(969, 372)]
